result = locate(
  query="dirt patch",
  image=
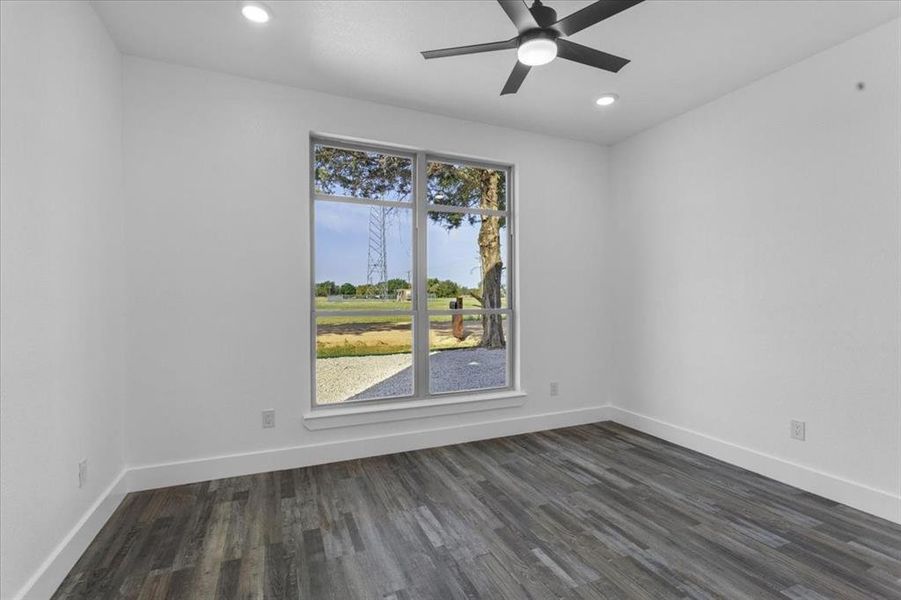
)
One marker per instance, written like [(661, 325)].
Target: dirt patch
[(362, 339), (363, 327)]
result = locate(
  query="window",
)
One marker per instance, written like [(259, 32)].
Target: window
[(411, 274)]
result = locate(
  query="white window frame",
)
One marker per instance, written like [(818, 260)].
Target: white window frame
[(419, 312)]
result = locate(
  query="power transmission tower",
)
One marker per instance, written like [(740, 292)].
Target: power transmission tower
[(377, 263)]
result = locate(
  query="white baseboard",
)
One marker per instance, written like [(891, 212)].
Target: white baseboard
[(177, 473), (857, 495), (50, 574)]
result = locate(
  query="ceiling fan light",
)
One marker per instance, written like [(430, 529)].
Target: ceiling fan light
[(537, 51), (255, 12)]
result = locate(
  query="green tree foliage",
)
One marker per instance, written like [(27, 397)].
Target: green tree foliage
[(465, 187), (362, 174), (348, 289), (393, 285), (444, 288), (326, 288), (364, 290)]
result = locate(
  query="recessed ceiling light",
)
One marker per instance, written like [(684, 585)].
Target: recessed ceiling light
[(256, 12), (537, 51), (606, 99)]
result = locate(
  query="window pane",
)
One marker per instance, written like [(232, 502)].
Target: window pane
[(467, 352), (467, 255), (363, 257), (466, 187), (363, 358), (359, 174)]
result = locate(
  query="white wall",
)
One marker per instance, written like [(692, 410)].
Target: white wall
[(61, 298), (219, 301), (755, 245)]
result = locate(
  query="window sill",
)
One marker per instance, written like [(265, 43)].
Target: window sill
[(365, 414)]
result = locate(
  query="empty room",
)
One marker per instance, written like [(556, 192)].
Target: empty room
[(450, 299)]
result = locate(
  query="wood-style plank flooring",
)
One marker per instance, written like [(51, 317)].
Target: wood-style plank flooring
[(597, 511)]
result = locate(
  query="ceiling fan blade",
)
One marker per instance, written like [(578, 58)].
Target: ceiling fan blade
[(516, 78), (589, 56), (591, 14), (519, 13), (473, 49)]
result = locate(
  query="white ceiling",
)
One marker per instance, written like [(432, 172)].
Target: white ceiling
[(684, 53)]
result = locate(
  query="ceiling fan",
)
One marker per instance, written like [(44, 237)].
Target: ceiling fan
[(540, 38)]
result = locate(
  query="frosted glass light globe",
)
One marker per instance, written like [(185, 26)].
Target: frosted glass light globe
[(538, 51)]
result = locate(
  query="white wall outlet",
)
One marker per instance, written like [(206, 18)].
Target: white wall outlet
[(269, 418), (82, 472), (555, 388), (798, 430)]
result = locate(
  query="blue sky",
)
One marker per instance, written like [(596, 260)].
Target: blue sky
[(342, 241)]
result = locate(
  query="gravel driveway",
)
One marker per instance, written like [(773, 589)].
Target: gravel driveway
[(371, 377), (450, 371), (338, 379)]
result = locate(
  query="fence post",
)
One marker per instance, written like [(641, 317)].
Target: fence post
[(457, 320)]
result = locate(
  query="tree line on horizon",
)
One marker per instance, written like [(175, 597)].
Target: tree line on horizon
[(442, 288)]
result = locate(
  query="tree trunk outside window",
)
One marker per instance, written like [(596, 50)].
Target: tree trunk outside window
[(492, 267)]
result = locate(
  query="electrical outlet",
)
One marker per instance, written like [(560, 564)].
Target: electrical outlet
[(269, 418), (82, 472), (555, 388), (799, 430)]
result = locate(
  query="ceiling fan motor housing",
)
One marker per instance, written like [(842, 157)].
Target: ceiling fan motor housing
[(545, 16), (538, 34)]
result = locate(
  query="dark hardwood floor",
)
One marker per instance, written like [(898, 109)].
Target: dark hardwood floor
[(597, 511)]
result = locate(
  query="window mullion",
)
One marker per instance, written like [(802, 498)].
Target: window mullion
[(361, 201), (421, 320), (470, 311), (467, 210)]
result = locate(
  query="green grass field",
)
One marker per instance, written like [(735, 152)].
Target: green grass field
[(323, 351), (377, 305)]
